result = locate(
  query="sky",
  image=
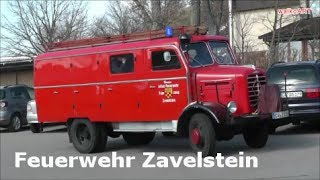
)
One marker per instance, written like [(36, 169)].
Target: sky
[(96, 8)]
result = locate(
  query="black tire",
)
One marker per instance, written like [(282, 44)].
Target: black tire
[(88, 137), (15, 123), (256, 136), (201, 125), (168, 134), (36, 127), (138, 138), (272, 129)]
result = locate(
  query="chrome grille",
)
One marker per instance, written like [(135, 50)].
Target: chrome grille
[(255, 81)]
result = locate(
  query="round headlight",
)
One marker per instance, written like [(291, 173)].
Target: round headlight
[(232, 106)]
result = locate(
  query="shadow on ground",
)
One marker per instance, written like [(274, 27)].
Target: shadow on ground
[(289, 137)]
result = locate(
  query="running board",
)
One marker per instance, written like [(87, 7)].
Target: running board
[(160, 126)]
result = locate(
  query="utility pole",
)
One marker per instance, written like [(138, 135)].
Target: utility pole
[(230, 23)]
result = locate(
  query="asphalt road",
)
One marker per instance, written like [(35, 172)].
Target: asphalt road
[(291, 153)]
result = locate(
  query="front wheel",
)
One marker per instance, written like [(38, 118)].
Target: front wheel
[(138, 138), (256, 136), (88, 137), (202, 135)]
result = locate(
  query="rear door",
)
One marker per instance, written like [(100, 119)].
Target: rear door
[(167, 90)]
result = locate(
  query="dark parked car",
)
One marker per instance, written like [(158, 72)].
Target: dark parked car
[(301, 95), (13, 106)]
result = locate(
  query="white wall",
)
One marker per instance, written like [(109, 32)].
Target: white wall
[(262, 22)]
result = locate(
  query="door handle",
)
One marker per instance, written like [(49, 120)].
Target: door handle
[(109, 89), (152, 87), (76, 91), (55, 92)]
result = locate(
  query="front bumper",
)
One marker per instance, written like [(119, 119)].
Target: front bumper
[(4, 118), (298, 115), (249, 119)]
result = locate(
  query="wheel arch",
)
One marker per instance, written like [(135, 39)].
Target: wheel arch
[(189, 111)]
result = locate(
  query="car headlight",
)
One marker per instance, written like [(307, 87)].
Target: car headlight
[(232, 106)]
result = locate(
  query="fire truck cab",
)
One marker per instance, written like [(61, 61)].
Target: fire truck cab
[(175, 80)]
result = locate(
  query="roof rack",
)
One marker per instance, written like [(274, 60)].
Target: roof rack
[(138, 36)]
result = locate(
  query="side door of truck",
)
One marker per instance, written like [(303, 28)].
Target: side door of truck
[(167, 91), (122, 90)]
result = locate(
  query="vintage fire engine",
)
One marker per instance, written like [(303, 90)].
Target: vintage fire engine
[(177, 80)]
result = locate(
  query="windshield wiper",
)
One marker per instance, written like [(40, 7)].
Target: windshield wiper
[(196, 61)]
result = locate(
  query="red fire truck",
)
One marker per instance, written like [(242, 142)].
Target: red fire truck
[(176, 80)]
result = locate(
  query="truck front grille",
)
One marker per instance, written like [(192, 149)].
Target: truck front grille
[(255, 81)]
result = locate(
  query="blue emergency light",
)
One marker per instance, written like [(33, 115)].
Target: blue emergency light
[(169, 31)]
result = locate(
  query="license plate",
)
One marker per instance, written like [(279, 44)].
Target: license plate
[(280, 115), (295, 94)]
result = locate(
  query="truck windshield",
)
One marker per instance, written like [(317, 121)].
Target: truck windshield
[(199, 54), (221, 52), (295, 75), (2, 94)]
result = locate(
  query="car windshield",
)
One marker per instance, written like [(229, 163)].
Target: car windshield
[(199, 54), (221, 52), (2, 94), (295, 74)]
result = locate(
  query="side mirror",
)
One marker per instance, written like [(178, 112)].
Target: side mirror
[(167, 56)]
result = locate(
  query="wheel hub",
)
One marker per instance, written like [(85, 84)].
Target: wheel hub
[(195, 136)]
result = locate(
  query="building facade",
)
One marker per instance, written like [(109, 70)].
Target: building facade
[(16, 70)]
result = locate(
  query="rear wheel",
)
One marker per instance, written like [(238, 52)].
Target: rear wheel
[(36, 127), (202, 135), (15, 123), (138, 138), (256, 136), (88, 137)]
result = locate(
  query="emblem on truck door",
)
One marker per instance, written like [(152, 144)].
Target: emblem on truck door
[(168, 92)]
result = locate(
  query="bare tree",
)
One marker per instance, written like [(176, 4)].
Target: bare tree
[(196, 12), (315, 47), (118, 19), (40, 23), (243, 43), (156, 14), (211, 13)]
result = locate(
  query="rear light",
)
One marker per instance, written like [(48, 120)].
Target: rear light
[(3, 104), (29, 108), (313, 93)]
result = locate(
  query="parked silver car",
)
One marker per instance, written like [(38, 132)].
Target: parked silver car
[(32, 117), (13, 103)]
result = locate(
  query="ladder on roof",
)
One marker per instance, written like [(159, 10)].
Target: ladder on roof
[(113, 39)]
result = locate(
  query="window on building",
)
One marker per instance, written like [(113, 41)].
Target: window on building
[(123, 63), (160, 63)]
